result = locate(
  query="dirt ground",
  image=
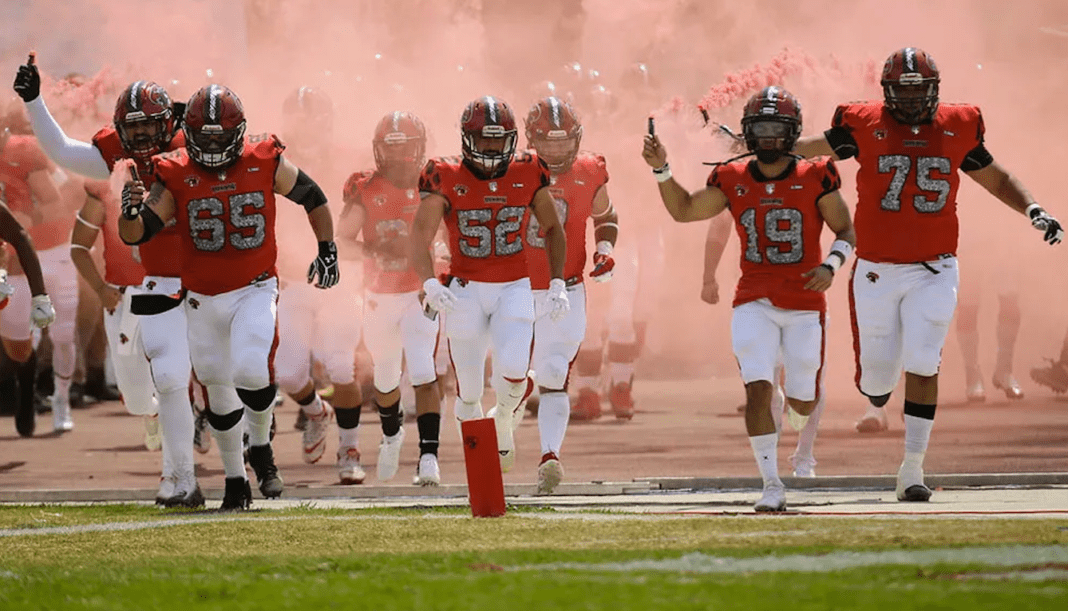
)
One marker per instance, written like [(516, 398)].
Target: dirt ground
[(682, 428)]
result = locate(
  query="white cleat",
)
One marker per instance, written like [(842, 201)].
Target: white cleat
[(803, 467), (61, 420), (428, 473), (314, 434), (874, 420), (773, 500), (153, 441), (502, 420), (187, 492), (349, 469), (389, 455), (550, 473), (1006, 383)]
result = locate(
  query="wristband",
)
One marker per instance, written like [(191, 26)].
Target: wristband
[(663, 173), (829, 266), (604, 247), (1033, 210)]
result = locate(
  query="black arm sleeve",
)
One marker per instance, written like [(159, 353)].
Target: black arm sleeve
[(306, 193), (976, 159), (842, 142), (153, 225)]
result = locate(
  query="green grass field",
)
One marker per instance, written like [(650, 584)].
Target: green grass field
[(137, 557)]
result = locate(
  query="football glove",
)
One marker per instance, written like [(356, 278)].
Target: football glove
[(42, 313), (558, 302), (438, 296), (325, 266), (1042, 221), (603, 263), (28, 82)]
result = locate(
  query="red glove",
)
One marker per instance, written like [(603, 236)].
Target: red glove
[(603, 263)]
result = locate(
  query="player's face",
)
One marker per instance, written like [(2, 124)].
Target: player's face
[(555, 150), (491, 145), (911, 99), (143, 133), (770, 134), (214, 143)]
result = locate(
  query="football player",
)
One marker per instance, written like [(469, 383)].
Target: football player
[(578, 184), (220, 191), (484, 198), (910, 150), (780, 205), (144, 123), (382, 205)]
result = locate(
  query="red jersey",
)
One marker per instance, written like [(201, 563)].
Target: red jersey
[(779, 226), (908, 178), (573, 191), (20, 157), (158, 256), (486, 219), (120, 267), (225, 218), (388, 215)]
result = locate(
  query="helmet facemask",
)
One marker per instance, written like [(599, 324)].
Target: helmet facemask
[(913, 99), (214, 147), (769, 139), (143, 136), (400, 157), (557, 149), (488, 153)]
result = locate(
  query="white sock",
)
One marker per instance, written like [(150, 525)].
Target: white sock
[(765, 450), (314, 408), (806, 439), (259, 426), (588, 383), (467, 411), (553, 414), (348, 438), (917, 434), (230, 449), (621, 373), (62, 388), (176, 426)]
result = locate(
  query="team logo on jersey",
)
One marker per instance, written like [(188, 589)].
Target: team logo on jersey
[(493, 186), (150, 285), (193, 303), (770, 188), (797, 187), (949, 133), (192, 181), (741, 190), (880, 134), (872, 277), (461, 190), (379, 200), (123, 339), (222, 176), (517, 185), (915, 129), (580, 182)]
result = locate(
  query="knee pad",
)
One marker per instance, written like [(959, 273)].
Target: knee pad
[(258, 400), (224, 422), (880, 400)]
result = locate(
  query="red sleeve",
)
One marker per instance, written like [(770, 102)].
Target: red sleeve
[(713, 179)]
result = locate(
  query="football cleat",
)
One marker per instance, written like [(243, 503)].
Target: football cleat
[(237, 495), (349, 469), (261, 459), (166, 489), (550, 473), (622, 401), (314, 435), (1007, 383), (1054, 376), (873, 421), (428, 473), (389, 451), (587, 406), (773, 500)]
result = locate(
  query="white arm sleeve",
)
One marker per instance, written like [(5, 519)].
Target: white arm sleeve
[(77, 156)]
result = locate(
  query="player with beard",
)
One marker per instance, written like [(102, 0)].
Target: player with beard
[(484, 198), (780, 205), (147, 312), (911, 150), (579, 185), (382, 205), (220, 190)]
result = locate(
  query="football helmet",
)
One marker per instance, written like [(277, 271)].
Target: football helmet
[(489, 134), (553, 129), (399, 144), (307, 118), (910, 85), (214, 126), (144, 119), (771, 123)]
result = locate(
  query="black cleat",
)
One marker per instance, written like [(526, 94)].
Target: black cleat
[(238, 495), (915, 494), (1054, 376), (261, 459), (25, 418)]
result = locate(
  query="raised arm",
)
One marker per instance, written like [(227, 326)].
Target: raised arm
[(683, 206)]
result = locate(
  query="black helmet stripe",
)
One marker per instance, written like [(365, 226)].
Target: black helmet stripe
[(214, 104), (134, 102)]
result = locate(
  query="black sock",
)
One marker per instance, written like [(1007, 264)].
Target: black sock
[(391, 419), (429, 432), (347, 417), (27, 376)]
